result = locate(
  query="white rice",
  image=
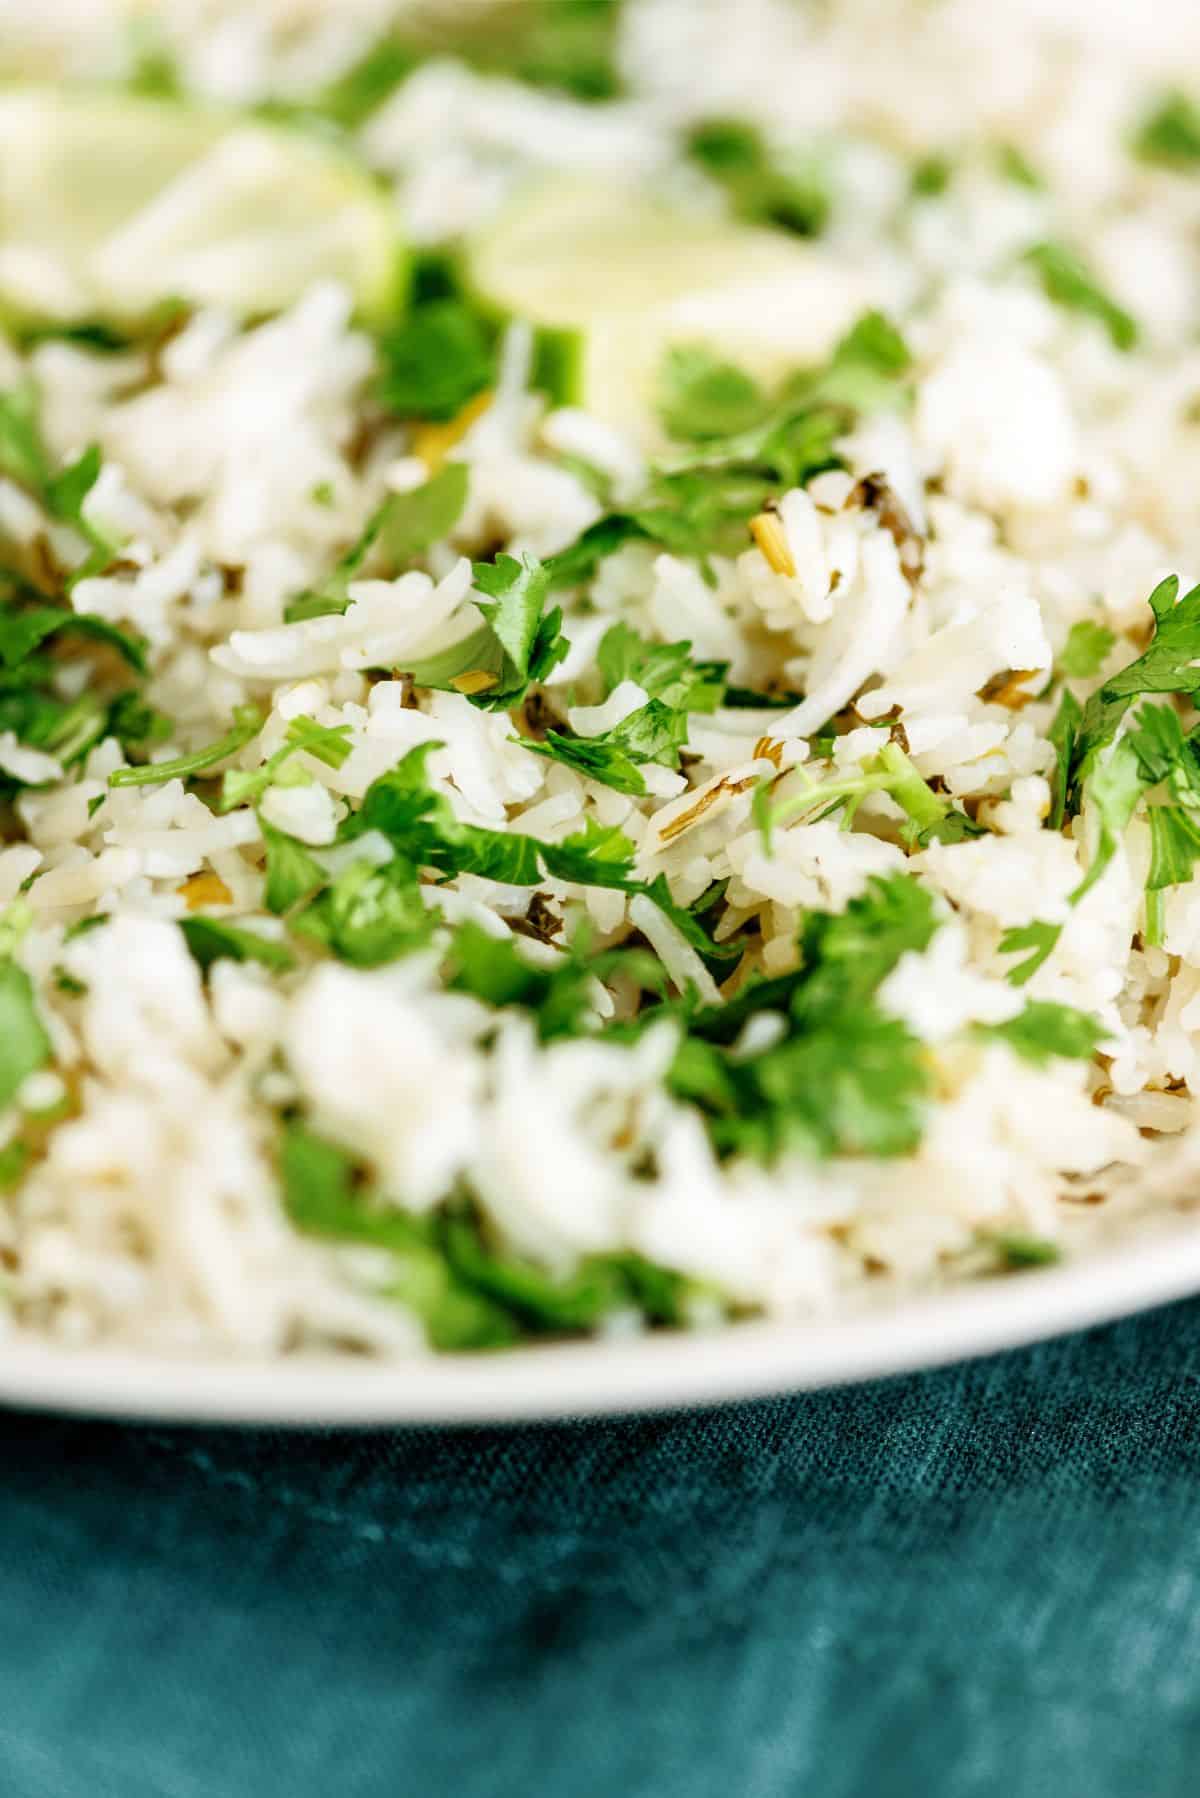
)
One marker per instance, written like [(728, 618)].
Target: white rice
[(1053, 480)]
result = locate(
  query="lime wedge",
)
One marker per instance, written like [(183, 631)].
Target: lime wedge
[(617, 278), (110, 205)]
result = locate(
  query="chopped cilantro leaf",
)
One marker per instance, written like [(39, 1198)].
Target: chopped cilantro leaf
[(14, 1159), (401, 528), (598, 1286), (24, 1043), (1085, 650), (700, 396), (23, 459), (437, 360), (1040, 938), (1163, 752), (519, 642), (333, 594), (422, 826), (1171, 134), (843, 1077), (705, 509), (210, 939), (654, 732), (323, 1199), (932, 176), (846, 955), (1067, 281), (1045, 1030), (424, 515), (1114, 787), (700, 501), (854, 1086), (65, 495), (1063, 733), (516, 589), (764, 186), (868, 366), (351, 99), (1017, 1250), (23, 631), (293, 872), (579, 561), (1174, 846), (664, 671), (1168, 665), (651, 733), (369, 915), (1015, 166), (559, 997), (467, 1291)]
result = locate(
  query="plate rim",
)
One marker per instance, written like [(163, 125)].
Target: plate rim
[(660, 1372)]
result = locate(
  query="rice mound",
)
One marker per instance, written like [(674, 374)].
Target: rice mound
[(1047, 476)]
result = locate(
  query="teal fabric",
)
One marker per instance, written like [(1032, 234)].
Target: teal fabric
[(977, 1583)]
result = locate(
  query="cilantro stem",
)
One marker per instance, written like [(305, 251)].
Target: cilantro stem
[(891, 771), (826, 794), (910, 788), (328, 743), (1154, 917), (248, 721)]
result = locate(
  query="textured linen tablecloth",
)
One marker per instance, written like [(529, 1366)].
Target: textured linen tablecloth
[(979, 1581)]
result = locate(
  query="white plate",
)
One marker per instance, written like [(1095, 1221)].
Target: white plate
[(590, 1378)]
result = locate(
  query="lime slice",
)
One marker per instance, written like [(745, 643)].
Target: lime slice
[(110, 205), (616, 278)]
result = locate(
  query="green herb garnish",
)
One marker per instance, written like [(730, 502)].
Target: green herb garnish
[(1086, 650), (1068, 281), (247, 722), (403, 527), (24, 1042), (1171, 134), (211, 939), (766, 186), (1044, 1031)]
